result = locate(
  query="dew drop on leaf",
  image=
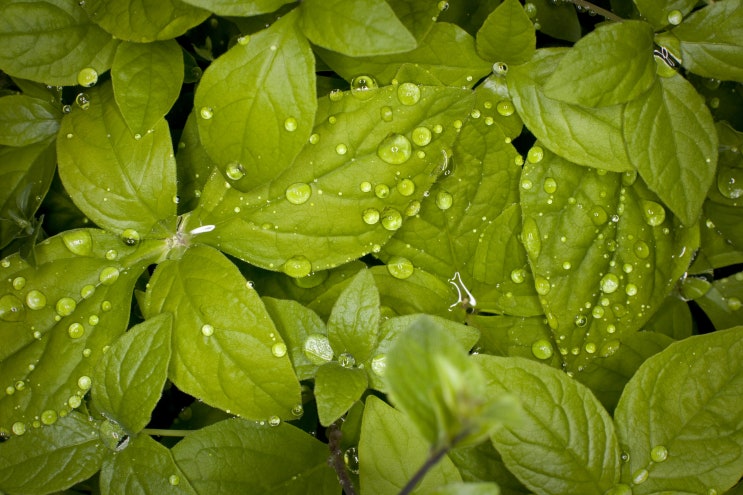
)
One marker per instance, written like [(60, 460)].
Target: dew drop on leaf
[(379, 364), (78, 242), (518, 275), (500, 68), (298, 193), (609, 348), (542, 285), (730, 182), (75, 330), (19, 283), (395, 149), (630, 290), (659, 453), (526, 184), (362, 85), (49, 417), (542, 349), (297, 266), (620, 489), (381, 191), (243, 40), (535, 154), (581, 320), (290, 124), (675, 17), (298, 410), (549, 185), (400, 267), (444, 200), (408, 93), (351, 459), (112, 435), (365, 186), (206, 113), (108, 275), (84, 383), (278, 349), (65, 306), (174, 479), (530, 237), (370, 216), (385, 113), (391, 219), (598, 215), (35, 300), (274, 421), (234, 171), (733, 303), (18, 428), (609, 283), (317, 348), (11, 308), (130, 237), (640, 476), (642, 250), (87, 77), (341, 149), (505, 108), (82, 100), (406, 187), (207, 330), (422, 136), (653, 212), (347, 360)]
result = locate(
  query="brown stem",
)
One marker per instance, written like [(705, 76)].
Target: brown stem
[(336, 458), (591, 7)]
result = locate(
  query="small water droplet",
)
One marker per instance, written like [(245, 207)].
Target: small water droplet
[(87, 291), (244, 40), (609, 348), (659, 453), (413, 208), (290, 124), (297, 266), (351, 459), (347, 360), (733, 303), (362, 86), (500, 68), (406, 187), (505, 108), (87, 77), (82, 100), (530, 237), (609, 283), (370, 216), (335, 95), (317, 348), (278, 349), (535, 154), (381, 191), (234, 171), (341, 149), (274, 421), (379, 364), (630, 290), (19, 283), (108, 275), (386, 114), (422, 136), (653, 212), (730, 182), (640, 476), (207, 330), (35, 300), (113, 436), (75, 331), (314, 138), (84, 383), (130, 237), (400, 267), (298, 193), (642, 250), (18, 428), (598, 215), (395, 149), (298, 410), (590, 348), (206, 113), (391, 219), (365, 186), (580, 320), (675, 17), (444, 200), (49, 417), (408, 93), (526, 184), (542, 349), (65, 306), (518, 275), (542, 285), (174, 479), (78, 242), (550, 185), (111, 254), (93, 320)]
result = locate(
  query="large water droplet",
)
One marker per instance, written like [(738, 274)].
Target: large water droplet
[(234, 171), (298, 193), (79, 242), (395, 149), (549, 185), (362, 86), (341, 149), (391, 219), (542, 349), (290, 124), (19, 283), (49, 417), (317, 348), (642, 250), (400, 267), (108, 275), (408, 93), (542, 285), (406, 187), (518, 275), (530, 237), (75, 331), (206, 113), (381, 191), (598, 215), (640, 476), (370, 216), (444, 200), (84, 383), (659, 453), (505, 108), (675, 17), (278, 349), (297, 266), (422, 136), (65, 306), (207, 330), (653, 212), (18, 428), (11, 308), (130, 237), (35, 299), (730, 182), (609, 283), (535, 154), (87, 77), (274, 421), (82, 100)]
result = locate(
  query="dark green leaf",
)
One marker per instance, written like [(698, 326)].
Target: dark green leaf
[(239, 457), (507, 36), (673, 318), (144, 467), (604, 253), (147, 79), (129, 378), (611, 65), (56, 319), (337, 388), (353, 326), (657, 127), (50, 41), (421, 292), (225, 347), (355, 27), (483, 463), (679, 417), (256, 104), (25, 120), (194, 166), (141, 21), (120, 180), (587, 136), (722, 302), (558, 20), (32, 463), (242, 8), (662, 13), (391, 450), (564, 441)]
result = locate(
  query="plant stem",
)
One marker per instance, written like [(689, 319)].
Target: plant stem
[(336, 458), (435, 457), (602, 12), (166, 433)]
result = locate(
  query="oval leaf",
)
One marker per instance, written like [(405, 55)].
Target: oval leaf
[(25, 120), (507, 35)]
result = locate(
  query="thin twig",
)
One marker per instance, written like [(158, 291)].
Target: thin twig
[(336, 458), (595, 8), (434, 458)]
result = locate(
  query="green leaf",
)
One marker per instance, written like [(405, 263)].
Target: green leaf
[(665, 416), (145, 467), (446, 54), (722, 302), (337, 388), (564, 441), (483, 463), (353, 326), (56, 318), (657, 129), (673, 318), (467, 489), (25, 120), (504, 335), (194, 166), (241, 8), (418, 17), (604, 253), (225, 347), (235, 457), (120, 180), (256, 104), (586, 136), (558, 20), (391, 450), (129, 378), (50, 41), (147, 79), (611, 65), (660, 14), (710, 41), (26, 175), (355, 27), (141, 21), (421, 292), (31, 463), (507, 35), (312, 218)]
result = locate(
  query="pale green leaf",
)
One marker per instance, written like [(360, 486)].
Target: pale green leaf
[(507, 35), (355, 27), (671, 139), (661, 13), (50, 41), (564, 441), (120, 180), (337, 388), (129, 378), (239, 457), (256, 104), (25, 120), (679, 417), (147, 79), (194, 166), (604, 253), (419, 17), (340, 199), (421, 292), (142, 21), (242, 8), (31, 464), (613, 64), (60, 315), (353, 326), (391, 450), (587, 136), (145, 467), (225, 347)]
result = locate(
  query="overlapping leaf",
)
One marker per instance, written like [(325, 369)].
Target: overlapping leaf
[(508, 35), (659, 13), (25, 120), (239, 7)]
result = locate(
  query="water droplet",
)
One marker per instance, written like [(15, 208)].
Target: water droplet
[(362, 86), (75, 331), (381, 191), (93, 320), (444, 200), (609, 283), (49, 417), (234, 171), (413, 208), (500, 68), (598, 215), (82, 100), (640, 476), (19, 283), (298, 193), (18, 428), (207, 330), (505, 108), (391, 219), (550, 185), (87, 291), (87, 77), (443, 5), (84, 383), (609, 348), (590, 347), (347, 360), (535, 154), (580, 320), (111, 254), (642, 250), (108, 275), (278, 349), (298, 410), (206, 113), (395, 149), (542, 349), (408, 93), (297, 266), (274, 421), (370, 216), (11, 308), (290, 124), (314, 138), (566, 265), (619, 489), (130, 237), (317, 348), (365, 186), (526, 184), (675, 17), (379, 364), (400, 267), (734, 304), (653, 212), (422, 136), (113, 436), (406, 187), (386, 114), (597, 312), (659, 453), (351, 459), (341, 149), (518, 275), (174, 479), (34, 300), (730, 182), (630, 290), (78, 242), (244, 40), (542, 285), (530, 237)]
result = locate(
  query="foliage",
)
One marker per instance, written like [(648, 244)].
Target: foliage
[(375, 247)]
